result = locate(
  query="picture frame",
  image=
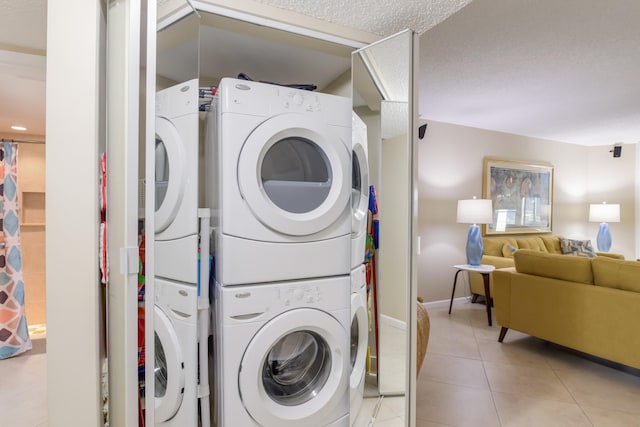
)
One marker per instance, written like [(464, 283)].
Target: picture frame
[(521, 195)]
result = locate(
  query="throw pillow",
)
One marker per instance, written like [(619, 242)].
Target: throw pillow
[(577, 247), (508, 249)]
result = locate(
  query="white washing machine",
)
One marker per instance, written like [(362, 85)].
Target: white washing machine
[(176, 354), (283, 354), (359, 339), (281, 183), (176, 182), (359, 190)]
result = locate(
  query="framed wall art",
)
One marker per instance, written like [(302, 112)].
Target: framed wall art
[(521, 194)]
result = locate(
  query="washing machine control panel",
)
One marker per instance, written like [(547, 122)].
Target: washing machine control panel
[(299, 100), (300, 295)]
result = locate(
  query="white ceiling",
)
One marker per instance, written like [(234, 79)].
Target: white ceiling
[(561, 70)]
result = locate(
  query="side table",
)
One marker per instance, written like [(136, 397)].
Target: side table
[(482, 269)]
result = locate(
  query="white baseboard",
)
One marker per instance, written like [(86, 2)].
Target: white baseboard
[(445, 302), (393, 322)]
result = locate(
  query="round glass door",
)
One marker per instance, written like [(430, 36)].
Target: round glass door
[(295, 369), (296, 175), (170, 173), (301, 186), (359, 188), (359, 338), (168, 368)]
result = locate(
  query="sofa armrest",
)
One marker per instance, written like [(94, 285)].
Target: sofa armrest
[(497, 261), (610, 255), (475, 280)]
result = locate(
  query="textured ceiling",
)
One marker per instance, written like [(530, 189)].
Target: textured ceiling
[(561, 70), (375, 16)]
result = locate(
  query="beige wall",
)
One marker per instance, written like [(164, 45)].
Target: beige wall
[(31, 184), (451, 161)]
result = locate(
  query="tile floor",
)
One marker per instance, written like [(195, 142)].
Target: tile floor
[(470, 379), (23, 389), (467, 379)]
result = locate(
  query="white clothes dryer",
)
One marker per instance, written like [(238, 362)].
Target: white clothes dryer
[(283, 354), (280, 183), (176, 356), (359, 339), (176, 182), (359, 190)]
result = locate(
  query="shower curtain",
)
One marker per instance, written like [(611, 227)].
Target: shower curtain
[(14, 334)]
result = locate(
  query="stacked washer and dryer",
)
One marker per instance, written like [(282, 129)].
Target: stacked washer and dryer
[(279, 160), (178, 384)]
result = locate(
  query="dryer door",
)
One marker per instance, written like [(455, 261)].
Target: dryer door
[(359, 338), (170, 173), (359, 189), (294, 371), (168, 369), (293, 174)]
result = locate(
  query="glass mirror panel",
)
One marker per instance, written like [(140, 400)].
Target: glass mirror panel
[(382, 87), (177, 61)]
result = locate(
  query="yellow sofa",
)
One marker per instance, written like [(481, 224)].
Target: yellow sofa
[(498, 252), (588, 304)]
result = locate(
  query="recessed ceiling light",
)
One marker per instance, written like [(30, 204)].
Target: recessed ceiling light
[(18, 127)]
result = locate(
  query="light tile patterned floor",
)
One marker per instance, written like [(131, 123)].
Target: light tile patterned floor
[(470, 379), (23, 391)]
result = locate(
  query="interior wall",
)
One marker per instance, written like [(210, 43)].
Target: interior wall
[(613, 180), (451, 165), (394, 223), (31, 184), (74, 60)]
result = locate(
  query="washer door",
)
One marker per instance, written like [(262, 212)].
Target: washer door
[(359, 338), (293, 371), (293, 174), (359, 188), (170, 173), (168, 369)]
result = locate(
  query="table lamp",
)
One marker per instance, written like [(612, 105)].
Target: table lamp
[(604, 213), (474, 211)]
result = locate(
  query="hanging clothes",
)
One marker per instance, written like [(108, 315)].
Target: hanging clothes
[(14, 334)]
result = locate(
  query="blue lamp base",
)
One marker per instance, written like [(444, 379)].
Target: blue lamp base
[(475, 248), (604, 237)]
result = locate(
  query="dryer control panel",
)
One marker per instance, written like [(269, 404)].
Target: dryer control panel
[(252, 302), (267, 100)]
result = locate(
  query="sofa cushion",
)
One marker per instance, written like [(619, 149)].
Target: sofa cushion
[(555, 266), (533, 243), (552, 243), (508, 250), (577, 247), (616, 273), (493, 246)]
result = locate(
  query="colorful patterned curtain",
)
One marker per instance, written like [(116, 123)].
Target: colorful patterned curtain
[(14, 334)]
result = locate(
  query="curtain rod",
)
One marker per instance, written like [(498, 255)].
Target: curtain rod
[(22, 141)]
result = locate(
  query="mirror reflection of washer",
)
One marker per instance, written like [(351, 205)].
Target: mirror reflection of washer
[(359, 339), (359, 190), (283, 354), (282, 183), (176, 359), (176, 183)]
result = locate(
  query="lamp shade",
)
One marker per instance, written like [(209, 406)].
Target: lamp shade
[(475, 211), (604, 212)]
